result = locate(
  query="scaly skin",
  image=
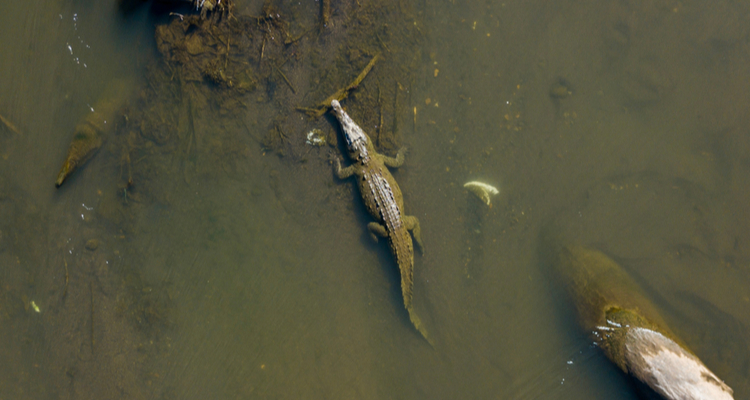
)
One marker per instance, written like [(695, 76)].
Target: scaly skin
[(383, 201)]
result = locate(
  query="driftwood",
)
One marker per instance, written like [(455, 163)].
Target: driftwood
[(323, 107)]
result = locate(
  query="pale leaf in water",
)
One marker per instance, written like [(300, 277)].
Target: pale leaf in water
[(482, 190)]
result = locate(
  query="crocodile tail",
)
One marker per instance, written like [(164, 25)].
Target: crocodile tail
[(418, 325)]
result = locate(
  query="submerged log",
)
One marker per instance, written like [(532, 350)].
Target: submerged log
[(90, 131), (630, 331)]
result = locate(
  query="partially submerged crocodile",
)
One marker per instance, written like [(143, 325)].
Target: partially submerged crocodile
[(630, 331), (383, 201), (91, 130)]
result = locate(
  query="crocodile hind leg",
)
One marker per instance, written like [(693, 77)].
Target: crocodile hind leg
[(376, 230), (412, 224), (395, 162)]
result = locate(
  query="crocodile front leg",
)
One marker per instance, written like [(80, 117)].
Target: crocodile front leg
[(343, 173), (412, 224), (395, 162)]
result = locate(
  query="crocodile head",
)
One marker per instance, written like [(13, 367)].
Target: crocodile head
[(356, 139)]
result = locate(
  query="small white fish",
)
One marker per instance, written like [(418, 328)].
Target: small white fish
[(34, 306), (482, 190)]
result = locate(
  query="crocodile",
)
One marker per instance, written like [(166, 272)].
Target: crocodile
[(384, 202), (622, 322), (91, 131)]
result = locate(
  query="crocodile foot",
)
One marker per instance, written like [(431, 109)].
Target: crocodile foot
[(412, 224)]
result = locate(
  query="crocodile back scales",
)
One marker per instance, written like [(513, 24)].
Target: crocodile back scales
[(382, 197)]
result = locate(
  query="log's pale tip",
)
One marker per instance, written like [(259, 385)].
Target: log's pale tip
[(670, 370), (482, 190)]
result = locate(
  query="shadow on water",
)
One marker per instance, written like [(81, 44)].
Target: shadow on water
[(206, 250)]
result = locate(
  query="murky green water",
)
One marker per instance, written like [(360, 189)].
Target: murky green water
[(618, 125)]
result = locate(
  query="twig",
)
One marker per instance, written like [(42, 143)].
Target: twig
[(91, 289), (380, 125), (395, 108), (130, 171), (10, 125), (226, 59), (281, 134), (290, 40), (382, 43), (262, 49), (65, 291), (325, 13), (285, 79), (411, 104), (322, 107)]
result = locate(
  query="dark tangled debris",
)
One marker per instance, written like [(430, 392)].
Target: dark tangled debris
[(257, 69)]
